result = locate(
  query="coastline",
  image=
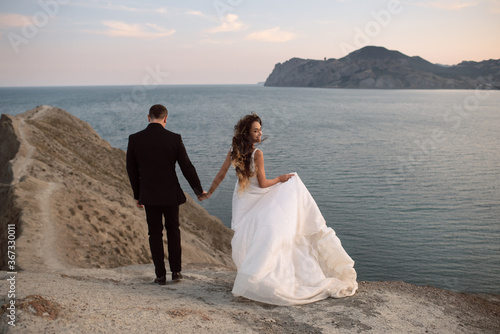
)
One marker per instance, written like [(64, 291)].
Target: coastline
[(93, 275)]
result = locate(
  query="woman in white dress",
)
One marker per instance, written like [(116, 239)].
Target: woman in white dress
[(283, 250)]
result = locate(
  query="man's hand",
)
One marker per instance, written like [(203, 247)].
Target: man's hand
[(204, 196), (139, 205)]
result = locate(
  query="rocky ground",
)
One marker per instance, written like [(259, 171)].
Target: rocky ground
[(124, 300)]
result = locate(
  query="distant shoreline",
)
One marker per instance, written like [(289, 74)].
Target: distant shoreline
[(242, 85), (374, 67)]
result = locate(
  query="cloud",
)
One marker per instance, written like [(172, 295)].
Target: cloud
[(145, 31), (230, 23), (447, 5), (272, 35), (8, 20), (161, 10), (195, 13), (108, 5)]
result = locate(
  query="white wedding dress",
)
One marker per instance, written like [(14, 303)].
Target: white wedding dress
[(283, 250)]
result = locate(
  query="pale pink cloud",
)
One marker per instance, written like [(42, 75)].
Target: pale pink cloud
[(144, 31), (8, 20), (272, 35), (230, 23), (195, 13)]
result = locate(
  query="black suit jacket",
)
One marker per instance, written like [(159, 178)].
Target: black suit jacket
[(151, 158)]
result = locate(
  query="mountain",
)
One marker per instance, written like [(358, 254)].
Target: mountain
[(377, 67), (67, 193)]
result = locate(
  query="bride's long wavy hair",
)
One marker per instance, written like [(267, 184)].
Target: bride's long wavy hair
[(242, 149)]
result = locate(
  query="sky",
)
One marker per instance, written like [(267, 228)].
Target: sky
[(163, 42)]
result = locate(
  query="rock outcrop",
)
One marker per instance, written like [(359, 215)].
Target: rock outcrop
[(67, 192), (377, 67)]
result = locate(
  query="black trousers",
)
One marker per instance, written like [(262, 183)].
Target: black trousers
[(154, 217)]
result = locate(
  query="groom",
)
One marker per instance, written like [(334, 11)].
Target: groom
[(151, 158)]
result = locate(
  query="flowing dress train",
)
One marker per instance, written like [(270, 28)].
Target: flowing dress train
[(283, 250)]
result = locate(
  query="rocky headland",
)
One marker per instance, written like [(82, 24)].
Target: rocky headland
[(377, 67), (82, 262)]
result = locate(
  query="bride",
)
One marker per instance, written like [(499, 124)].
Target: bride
[(283, 250)]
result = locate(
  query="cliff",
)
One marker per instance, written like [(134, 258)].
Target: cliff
[(83, 263), (67, 192), (377, 67)]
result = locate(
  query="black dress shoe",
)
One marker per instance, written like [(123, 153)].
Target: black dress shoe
[(176, 277), (160, 280)]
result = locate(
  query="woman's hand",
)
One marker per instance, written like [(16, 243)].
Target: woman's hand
[(284, 177), (204, 196)]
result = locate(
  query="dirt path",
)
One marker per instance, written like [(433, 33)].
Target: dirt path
[(24, 160), (47, 237)]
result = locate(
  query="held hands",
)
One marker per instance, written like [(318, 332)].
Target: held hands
[(285, 177), (204, 196)]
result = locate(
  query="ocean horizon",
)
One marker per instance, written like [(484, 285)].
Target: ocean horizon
[(408, 179)]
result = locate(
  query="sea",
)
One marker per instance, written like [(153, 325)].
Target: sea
[(408, 179)]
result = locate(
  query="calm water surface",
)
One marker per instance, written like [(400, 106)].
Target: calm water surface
[(409, 179)]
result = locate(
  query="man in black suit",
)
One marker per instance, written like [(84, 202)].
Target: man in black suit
[(151, 158)]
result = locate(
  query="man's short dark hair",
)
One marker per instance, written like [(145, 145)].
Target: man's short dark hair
[(158, 111)]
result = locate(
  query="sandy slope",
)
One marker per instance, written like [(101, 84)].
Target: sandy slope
[(76, 201)]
